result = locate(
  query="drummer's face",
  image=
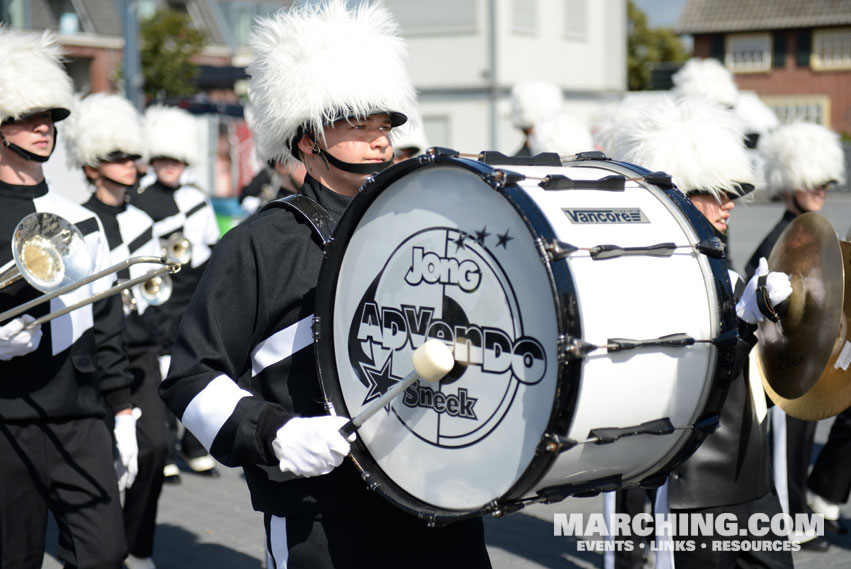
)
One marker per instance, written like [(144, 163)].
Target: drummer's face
[(354, 141), (718, 213), (811, 200)]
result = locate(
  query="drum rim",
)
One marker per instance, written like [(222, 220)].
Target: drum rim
[(567, 318)]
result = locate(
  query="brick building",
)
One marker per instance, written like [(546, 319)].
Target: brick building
[(795, 55)]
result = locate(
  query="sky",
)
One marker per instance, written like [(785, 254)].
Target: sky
[(661, 12)]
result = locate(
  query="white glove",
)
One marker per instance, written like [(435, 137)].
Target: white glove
[(128, 450), (779, 288), (165, 362), (15, 341), (311, 446)]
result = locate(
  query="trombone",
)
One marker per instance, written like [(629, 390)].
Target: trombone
[(51, 255)]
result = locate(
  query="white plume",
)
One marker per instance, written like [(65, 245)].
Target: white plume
[(562, 133), (31, 74), (801, 156), (171, 132), (699, 143), (317, 63), (99, 124), (532, 100), (708, 79)]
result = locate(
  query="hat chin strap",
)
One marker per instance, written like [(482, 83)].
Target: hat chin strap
[(26, 154), (127, 187), (363, 168)]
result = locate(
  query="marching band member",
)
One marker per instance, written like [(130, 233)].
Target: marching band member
[(562, 133), (56, 447), (700, 144), (171, 138), (801, 162), (243, 375), (532, 100), (104, 138)]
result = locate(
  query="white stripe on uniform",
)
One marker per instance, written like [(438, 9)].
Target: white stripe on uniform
[(209, 410), (280, 551), (282, 344)]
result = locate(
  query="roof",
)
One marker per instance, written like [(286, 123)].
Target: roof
[(708, 16)]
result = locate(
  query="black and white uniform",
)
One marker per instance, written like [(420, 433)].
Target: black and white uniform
[(186, 210), (56, 447), (730, 473), (243, 365), (130, 233), (794, 438)]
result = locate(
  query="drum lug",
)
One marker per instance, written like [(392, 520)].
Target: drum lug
[(315, 327), (555, 444), (442, 151), (557, 250), (499, 178), (569, 348)]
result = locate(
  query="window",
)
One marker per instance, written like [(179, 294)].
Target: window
[(14, 13), (524, 17), (831, 49), (416, 17), (809, 108), (748, 53), (574, 19)]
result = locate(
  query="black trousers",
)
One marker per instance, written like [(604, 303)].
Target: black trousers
[(800, 436), (713, 557), (140, 500), (66, 468), (831, 474), (377, 541)]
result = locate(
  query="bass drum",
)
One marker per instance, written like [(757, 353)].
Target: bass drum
[(504, 265)]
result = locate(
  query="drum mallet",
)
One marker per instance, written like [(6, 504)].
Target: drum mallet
[(432, 361)]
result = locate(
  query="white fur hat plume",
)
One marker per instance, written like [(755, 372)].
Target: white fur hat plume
[(319, 63), (706, 78), (171, 133), (697, 142), (532, 100), (562, 133), (756, 115), (802, 156), (32, 78), (102, 126)]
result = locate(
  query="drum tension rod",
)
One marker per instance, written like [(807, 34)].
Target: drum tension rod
[(576, 348), (558, 250)]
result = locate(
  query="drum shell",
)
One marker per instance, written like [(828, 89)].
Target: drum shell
[(579, 395)]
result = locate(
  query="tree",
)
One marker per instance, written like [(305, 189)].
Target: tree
[(647, 47), (168, 43)]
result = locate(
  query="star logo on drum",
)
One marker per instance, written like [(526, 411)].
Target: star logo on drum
[(379, 380)]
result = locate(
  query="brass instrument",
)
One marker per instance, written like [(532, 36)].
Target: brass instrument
[(177, 248), (52, 256)]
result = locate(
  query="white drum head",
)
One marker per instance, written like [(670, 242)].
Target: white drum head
[(441, 254)]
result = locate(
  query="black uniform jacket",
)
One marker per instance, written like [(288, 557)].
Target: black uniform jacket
[(81, 356), (243, 363), (733, 464)]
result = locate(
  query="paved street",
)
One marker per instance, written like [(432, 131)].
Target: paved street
[(209, 522)]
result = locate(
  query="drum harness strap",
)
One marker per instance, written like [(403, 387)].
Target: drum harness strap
[(320, 221)]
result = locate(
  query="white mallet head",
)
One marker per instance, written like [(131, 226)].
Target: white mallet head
[(433, 360)]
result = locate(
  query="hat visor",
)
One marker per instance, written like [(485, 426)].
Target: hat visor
[(120, 156), (56, 114), (396, 118)]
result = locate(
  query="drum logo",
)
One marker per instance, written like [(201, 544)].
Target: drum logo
[(444, 283)]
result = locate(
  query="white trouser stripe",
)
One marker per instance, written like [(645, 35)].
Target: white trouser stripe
[(282, 344), (209, 410), (278, 543)]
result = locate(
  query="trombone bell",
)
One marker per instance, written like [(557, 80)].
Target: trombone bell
[(157, 290), (49, 251), (177, 248)]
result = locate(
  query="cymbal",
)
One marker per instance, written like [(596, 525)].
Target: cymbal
[(832, 392), (796, 350)]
